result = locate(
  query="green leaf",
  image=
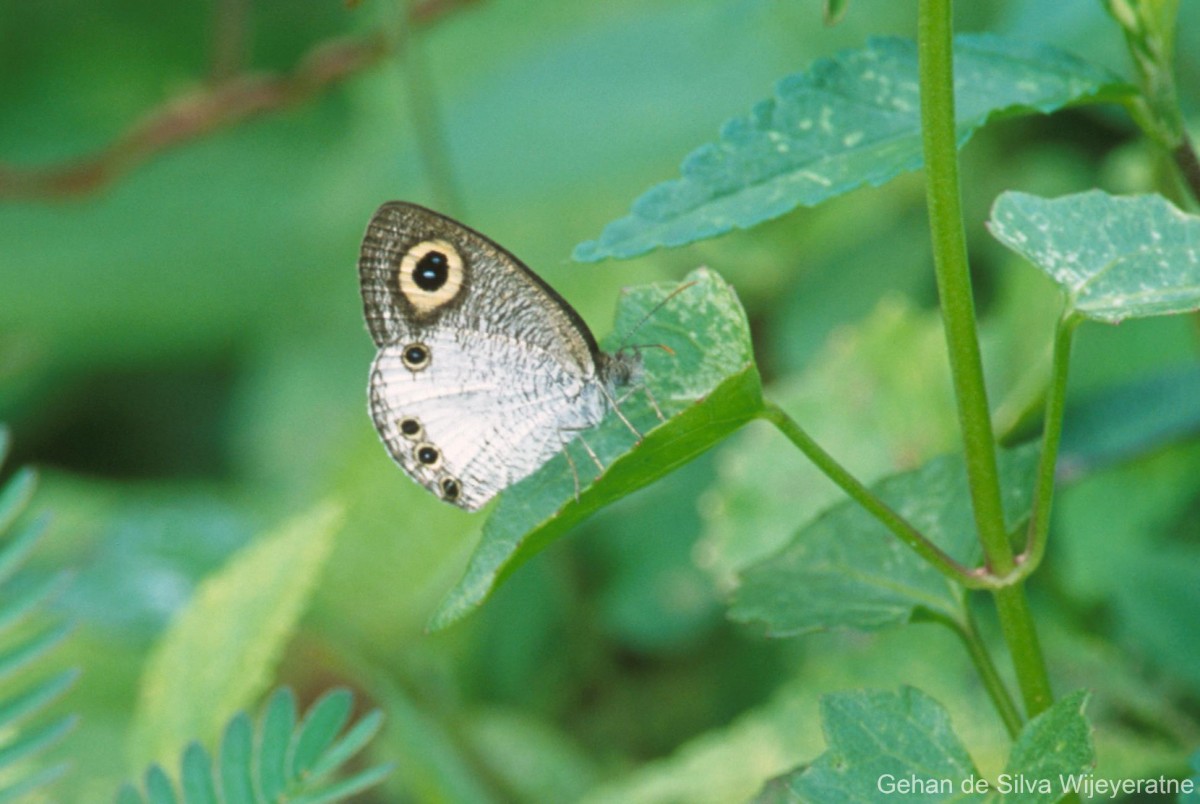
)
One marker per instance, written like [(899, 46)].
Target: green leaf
[(13, 499), (32, 596), (158, 786), (196, 776), (1116, 257), (34, 647), (849, 121), (244, 778), (34, 740), (707, 386), (324, 720), (347, 745), (876, 739), (347, 787), (274, 742), (15, 707), (128, 794), (894, 415), (20, 744), (237, 783), (221, 650), (1053, 746), (846, 570)]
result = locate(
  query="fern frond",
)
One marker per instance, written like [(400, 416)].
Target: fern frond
[(21, 769), (283, 761)]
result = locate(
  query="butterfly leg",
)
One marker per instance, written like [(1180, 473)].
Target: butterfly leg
[(574, 471), (571, 461), (649, 398), (591, 453), (616, 408), (654, 404)]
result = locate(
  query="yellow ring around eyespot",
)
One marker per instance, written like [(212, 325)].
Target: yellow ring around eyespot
[(426, 301)]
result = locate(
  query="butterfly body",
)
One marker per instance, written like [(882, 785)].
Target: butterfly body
[(484, 373)]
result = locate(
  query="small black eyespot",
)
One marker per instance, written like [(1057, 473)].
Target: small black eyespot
[(428, 455), (410, 427), (431, 271), (416, 356), (450, 488)]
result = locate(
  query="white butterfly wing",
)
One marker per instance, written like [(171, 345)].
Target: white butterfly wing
[(483, 411)]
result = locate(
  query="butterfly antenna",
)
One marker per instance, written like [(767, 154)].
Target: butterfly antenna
[(662, 346), (652, 312)]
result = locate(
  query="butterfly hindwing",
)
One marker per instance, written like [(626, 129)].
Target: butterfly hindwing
[(481, 413)]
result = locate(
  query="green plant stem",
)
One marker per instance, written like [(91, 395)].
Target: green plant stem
[(968, 632), (877, 507), (1052, 423), (1016, 623), (935, 50)]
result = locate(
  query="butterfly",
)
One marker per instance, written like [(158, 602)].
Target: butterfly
[(484, 373)]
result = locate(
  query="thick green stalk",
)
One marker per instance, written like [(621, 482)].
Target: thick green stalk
[(935, 50), (1016, 622), (1052, 423), (897, 524), (935, 47)]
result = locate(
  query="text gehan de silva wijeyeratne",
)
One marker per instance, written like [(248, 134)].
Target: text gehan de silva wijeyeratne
[(1086, 785)]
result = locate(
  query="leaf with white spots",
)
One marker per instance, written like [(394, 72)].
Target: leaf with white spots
[(849, 121), (704, 382), (1116, 257), (846, 570)]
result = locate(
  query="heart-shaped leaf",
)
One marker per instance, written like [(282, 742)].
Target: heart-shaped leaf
[(1116, 257)]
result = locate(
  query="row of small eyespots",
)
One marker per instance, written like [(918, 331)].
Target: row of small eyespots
[(429, 455)]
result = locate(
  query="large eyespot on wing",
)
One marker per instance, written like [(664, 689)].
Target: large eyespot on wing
[(413, 265), (431, 275)]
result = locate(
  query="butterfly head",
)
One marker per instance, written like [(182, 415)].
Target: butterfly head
[(621, 368)]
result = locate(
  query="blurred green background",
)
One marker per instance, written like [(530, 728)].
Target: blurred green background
[(182, 356)]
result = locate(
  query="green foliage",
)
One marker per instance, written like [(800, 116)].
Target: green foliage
[(844, 570), (198, 673), (23, 769), (901, 415), (182, 356), (1115, 258), (282, 761), (700, 373), (879, 741), (846, 122)]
